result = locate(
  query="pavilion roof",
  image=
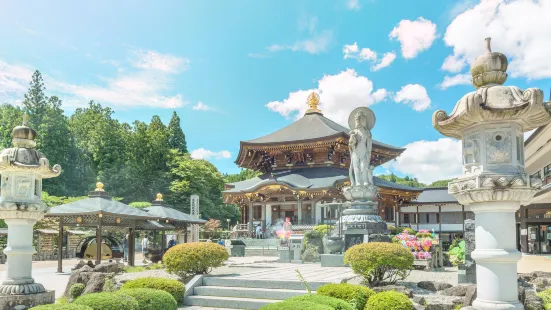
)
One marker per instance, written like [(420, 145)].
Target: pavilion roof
[(307, 179), (166, 212), (154, 225), (434, 195), (96, 205), (312, 126)]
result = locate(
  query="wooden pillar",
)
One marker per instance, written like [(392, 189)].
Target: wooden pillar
[(417, 217), (163, 243), (440, 218), (59, 246), (263, 214), (131, 246), (299, 206), (251, 228), (185, 233), (98, 242), (463, 217)]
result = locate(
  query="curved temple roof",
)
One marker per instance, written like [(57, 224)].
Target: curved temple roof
[(312, 126), (307, 179)]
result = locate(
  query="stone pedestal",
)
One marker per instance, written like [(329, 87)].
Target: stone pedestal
[(19, 302), (285, 254), (332, 260)]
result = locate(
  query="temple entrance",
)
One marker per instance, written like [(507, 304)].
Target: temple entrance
[(291, 215)]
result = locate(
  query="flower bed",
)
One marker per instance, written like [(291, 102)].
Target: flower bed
[(422, 245)]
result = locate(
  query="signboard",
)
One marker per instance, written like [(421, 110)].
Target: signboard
[(194, 211), (352, 240), (283, 248), (524, 232), (356, 226)]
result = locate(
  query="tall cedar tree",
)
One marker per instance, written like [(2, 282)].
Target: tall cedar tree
[(176, 137)]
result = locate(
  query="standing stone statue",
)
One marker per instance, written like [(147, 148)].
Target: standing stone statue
[(361, 121)]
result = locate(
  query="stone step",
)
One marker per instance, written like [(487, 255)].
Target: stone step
[(247, 292), (228, 302), (260, 283)]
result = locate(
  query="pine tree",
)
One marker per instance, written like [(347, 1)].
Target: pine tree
[(35, 103), (176, 138)]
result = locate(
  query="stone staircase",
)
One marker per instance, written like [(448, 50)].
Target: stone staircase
[(236, 293)]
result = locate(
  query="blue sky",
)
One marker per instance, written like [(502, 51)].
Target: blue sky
[(236, 70)]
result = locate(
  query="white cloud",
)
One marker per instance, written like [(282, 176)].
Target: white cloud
[(340, 94), (519, 29), (429, 161), (414, 95), (149, 86), (353, 51), (454, 63), (202, 153), (414, 36), (202, 107), (387, 59), (459, 79), (353, 4), (152, 60), (308, 23), (529, 133), (316, 44)]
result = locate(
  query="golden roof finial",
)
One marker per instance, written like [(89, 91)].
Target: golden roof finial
[(99, 187), (159, 197), (313, 102)]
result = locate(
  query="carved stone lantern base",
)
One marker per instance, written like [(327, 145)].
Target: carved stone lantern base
[(21, 301)]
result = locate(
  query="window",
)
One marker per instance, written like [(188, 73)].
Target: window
[(406, 218), (451, 218), (536, 175), (547, 174)]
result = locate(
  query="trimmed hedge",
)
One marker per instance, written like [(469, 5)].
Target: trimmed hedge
[(76, 290), (173, 287), (61, 307), (389, 300), (151, 299), (107, 301), (546, 296), (193, 258), (355, 295), (380, 263)]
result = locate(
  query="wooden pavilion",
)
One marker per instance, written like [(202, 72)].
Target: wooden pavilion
[(303, 165)]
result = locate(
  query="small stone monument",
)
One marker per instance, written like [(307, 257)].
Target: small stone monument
[(491, 122), (467, 271), (22, 168)]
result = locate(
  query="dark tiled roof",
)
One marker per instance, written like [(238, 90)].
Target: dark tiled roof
[(311, 126), (432, 195), (96, 205), (308, 178), (169, 213)]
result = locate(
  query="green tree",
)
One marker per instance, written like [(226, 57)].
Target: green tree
[(35, 103), (176, 137), (10, 117), (413, 182), (243, 175), (440, 183), (196, 176)]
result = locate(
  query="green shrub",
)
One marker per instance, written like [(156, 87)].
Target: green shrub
[(323, 229), (546, 296), (457, 253), (380, 263), (130, 269), (312, 234), (399, 230), (296, 305), (61, 307), (173, 287), (107, 301), (389, 300), (335, 303), (356, 295), (420, 235), (151, 299), (76, 290), (189, 259), (311, 254)]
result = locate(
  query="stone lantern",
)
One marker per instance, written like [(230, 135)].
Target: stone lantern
[(491, 122), (22, 169)]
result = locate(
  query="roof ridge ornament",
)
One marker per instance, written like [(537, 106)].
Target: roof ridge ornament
[(313, 101)]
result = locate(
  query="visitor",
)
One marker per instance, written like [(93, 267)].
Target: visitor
[(209, 240), (145, 244), (171, 242), (258, 232), (220, 242), (125, 249)]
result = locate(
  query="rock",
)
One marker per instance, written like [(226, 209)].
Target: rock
[(417, 306), (460, 290), (95, 284), (541, 274), (533, 302), (108, 267), (542, 284), (470, 296), (76, 278), (434, 302), (526, 277), (434, 286), (419, 299), (397, 288), (521, 294)]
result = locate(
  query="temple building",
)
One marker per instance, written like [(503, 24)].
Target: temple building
[(304, 165)]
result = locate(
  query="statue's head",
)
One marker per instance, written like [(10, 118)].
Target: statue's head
[(361, 120)]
